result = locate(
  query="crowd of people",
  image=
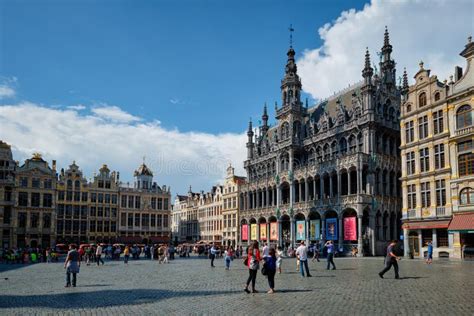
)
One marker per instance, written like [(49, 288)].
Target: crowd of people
[(268, 259)]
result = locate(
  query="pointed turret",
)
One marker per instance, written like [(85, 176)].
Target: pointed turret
[(368, 71), (291, 83), (387, 65), (405, 82), (265, 119), (250, 140)]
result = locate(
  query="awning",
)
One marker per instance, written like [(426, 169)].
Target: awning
[(462, 222), (426, 224)]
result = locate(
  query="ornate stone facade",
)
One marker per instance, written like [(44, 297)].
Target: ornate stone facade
[(230, 210), (335, 164), (7, 201), (33, 218), (145, 210), (72, 210), (438, 160)]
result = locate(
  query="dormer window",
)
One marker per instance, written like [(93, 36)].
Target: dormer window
[(422, 99)]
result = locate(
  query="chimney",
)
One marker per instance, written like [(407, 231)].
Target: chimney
[(54, 165), (457, 73)]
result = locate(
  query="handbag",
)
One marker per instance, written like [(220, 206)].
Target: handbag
[(264, 269), (246, 261)]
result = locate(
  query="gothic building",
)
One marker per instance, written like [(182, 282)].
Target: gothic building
[(329, 171)]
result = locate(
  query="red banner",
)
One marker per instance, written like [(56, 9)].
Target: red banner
[(350, 229), (245, 232), (274, 231)]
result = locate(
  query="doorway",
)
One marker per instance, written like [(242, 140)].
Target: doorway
[(413, 244)]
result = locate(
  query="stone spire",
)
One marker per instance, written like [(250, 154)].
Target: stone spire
[(368, 71), (405, 84), (386, 48), (387, 65), (265, 119), (250, 140)]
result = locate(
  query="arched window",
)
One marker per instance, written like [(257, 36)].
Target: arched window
[(466, 164), (437, 96), (408, 108), (352, 143), (319, 154), (77, 184), (467, 196), (343, 145), (327, 153), (285, 131), (422, 99), (464, 116), (69, 183)]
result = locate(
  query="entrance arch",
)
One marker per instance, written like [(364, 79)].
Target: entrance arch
[(285, 231)]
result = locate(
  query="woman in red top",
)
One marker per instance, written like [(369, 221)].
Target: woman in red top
[(253, 260)]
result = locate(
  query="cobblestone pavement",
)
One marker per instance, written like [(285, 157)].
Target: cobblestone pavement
[(191, 286)]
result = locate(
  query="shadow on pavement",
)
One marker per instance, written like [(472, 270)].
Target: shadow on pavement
[(98, 299), (415, 278)]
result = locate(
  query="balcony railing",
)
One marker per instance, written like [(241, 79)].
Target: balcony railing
[(465, 130), (440, 211), (411, 213)]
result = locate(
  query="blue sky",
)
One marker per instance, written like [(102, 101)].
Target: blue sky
[(189, 64), (176, 81)]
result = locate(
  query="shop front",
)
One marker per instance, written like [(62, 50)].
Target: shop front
[(462, 227)]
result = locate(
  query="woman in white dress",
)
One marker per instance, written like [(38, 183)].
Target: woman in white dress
[(279, 253)]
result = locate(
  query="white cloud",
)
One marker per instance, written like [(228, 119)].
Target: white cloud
[(78, 107), (178, 159), (432, 31), (6, 92), (114, 113)]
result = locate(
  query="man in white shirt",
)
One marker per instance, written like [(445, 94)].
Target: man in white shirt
[(302, 255), (98, 254), (266, 250)]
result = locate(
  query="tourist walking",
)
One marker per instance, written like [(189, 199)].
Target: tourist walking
[(212, 255), (391, 260), (330, 247), (253, 263), (265, 250), (429, 253), (270, 267), (228, 257), (317, 249), (126, 254), (302, 255), (279, 254), (72, 265), (98, 254)]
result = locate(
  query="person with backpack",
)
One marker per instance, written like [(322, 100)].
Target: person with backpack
[(253, 263), (270, 269)]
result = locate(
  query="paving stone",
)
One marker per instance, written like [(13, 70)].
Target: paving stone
[(192, 287)]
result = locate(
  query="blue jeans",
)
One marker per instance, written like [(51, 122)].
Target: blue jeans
[(68, 278), (305, 264), (331, 260), (227, 262)]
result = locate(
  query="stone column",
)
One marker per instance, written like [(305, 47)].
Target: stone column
[(267, 200), (359, 180), (314, 189), (348, 183), (292, 232), (331, 193), (359, 235), (420, 243), (306, 188), (372, 235), (299, 192), (321, 187), (279, 233), (247, 198), (292, 193), (278, 196), (435, 239), (323, 228), (340, 241), (406, 250), (258, 232), (338, 183), (307, 231)]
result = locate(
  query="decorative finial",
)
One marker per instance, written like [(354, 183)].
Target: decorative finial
[(144, 157), (291, 29), (306, 102), (386, 40), (469, 39), (421, 64)]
